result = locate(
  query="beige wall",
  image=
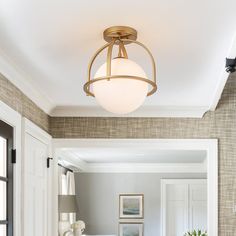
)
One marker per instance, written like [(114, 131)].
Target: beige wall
[(220, 124), (14, 98)]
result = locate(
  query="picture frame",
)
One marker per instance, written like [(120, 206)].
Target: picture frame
[(131, 206), (131, 229)]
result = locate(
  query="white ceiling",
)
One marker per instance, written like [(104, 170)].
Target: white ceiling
[(45, 46), (143, 160)]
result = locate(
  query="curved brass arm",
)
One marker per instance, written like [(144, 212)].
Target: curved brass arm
[(109, 57), (93, 59), (122, 49), (150, 54)]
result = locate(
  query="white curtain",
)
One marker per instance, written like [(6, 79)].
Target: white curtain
[(66, 186), (62, 190), (71, 191)]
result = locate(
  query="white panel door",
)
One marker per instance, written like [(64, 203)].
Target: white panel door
[(198, 206), (35, 187), (176, 209), (184, 206)]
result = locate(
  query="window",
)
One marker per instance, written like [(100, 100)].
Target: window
[(6, 180)]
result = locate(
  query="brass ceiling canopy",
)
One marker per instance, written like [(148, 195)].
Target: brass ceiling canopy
[(119, 36), (120, 32)]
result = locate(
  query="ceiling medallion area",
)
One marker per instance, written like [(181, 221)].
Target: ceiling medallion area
[(120, 85)]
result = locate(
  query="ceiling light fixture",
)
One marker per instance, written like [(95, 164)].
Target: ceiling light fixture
[(120, 85)]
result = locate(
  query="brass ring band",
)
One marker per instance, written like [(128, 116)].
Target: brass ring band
[(87, 85)]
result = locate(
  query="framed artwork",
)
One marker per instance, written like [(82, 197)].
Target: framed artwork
[(131, 206), (131, 229)]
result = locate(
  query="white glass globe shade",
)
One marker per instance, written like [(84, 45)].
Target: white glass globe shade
[(120, 96)]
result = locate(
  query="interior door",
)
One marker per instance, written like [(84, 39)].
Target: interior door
[(198, 206), (184, 206), (177, 209), (35, 190)]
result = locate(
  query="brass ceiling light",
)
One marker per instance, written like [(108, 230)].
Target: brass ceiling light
[(120, 85)]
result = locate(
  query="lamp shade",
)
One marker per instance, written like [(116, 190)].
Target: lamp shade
[(121, 95), (67, 203)]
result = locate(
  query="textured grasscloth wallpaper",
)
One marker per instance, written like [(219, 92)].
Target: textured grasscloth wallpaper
[(14, 98), (219, 124)]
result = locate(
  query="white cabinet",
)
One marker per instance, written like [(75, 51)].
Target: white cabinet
[(184, 206), (36, 181)]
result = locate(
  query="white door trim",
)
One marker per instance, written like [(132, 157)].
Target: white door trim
[(209, 145), (13, 118), (36, 132)]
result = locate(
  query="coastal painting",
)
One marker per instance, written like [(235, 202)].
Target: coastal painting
[(131, 206), (131, 229)]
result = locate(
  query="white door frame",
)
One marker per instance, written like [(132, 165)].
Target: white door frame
[(13, 118), (209, 145)]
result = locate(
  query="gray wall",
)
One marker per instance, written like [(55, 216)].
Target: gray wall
[(98, 199)]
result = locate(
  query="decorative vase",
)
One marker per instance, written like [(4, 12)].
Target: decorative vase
[(63, 227), (77, 232), (68, 233), (78, 228)]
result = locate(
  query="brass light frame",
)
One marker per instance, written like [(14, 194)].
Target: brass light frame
[(119, 35)]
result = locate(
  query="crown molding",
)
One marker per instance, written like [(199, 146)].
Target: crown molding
[(145, 168), (71, 159), (223, 76), (17, 77), (144, 111)]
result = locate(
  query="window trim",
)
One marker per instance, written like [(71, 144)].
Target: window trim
[(14, 119), (7, 133)]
